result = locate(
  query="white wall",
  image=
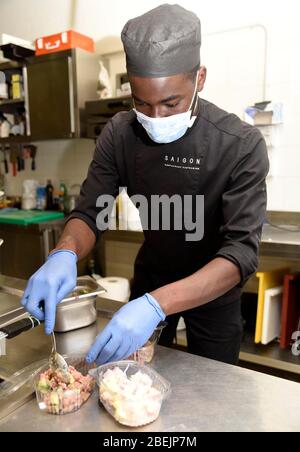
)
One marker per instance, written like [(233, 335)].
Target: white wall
[(58, 160), (102, 20), (33, 18)]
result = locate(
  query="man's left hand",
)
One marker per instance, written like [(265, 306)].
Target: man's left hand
[(129, 329)]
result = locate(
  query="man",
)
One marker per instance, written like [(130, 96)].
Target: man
[(172, 143)]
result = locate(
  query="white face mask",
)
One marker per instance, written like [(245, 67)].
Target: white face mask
[(169, 128)]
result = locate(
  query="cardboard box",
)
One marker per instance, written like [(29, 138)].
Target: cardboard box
[(63, 41)]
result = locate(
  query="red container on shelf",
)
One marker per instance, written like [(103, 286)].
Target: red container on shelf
[(63, 41)]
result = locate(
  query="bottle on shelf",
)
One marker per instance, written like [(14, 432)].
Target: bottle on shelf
[(49, 195), (63, 193), (17, 86), (41, 198)]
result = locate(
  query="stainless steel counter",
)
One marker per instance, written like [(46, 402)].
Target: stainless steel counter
[(275, 241), (285, 235), (206, 396), (34, 345)]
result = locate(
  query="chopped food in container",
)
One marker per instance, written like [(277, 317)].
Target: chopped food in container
[(61, 392), (132, 393)]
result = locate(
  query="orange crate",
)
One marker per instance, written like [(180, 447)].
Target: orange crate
[(63, 41)]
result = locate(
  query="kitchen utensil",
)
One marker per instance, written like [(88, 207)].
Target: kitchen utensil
[(21, 158), (33, 151), (14, 329), (271, 327), (76, 311), (5, 160), (19, 168), (13, 158), (56, 361)]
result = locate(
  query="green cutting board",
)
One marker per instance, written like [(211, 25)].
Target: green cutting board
[(26, 217)]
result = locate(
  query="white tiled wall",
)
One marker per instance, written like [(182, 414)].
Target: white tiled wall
[(99, 19)]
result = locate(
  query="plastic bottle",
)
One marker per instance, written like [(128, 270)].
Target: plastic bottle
[(4, 128), (91, 267), (62, 196), (49, 195), (41, 198)]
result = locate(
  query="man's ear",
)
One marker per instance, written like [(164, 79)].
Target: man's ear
[(201, 78)]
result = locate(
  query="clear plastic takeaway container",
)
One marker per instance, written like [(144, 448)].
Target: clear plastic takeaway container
[(145, 354), (70, 398), (131, 404)]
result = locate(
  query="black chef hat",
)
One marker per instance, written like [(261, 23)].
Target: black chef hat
[(163, 42)]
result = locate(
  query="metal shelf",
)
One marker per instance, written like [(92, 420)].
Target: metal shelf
[(16, 139), (11, 102), (271, 355), (10, 65)]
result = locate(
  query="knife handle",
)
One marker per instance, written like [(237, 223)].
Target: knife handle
[(16, 328), (6, 166)]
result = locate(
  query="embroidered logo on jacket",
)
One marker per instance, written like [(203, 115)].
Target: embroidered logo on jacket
[(186, 163)]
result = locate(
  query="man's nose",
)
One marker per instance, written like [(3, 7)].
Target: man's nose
[(156, 112)]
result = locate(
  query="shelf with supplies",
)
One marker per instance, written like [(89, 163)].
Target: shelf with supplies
[(55, 88), (14, 102)]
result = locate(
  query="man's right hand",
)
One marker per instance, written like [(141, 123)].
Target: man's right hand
[(50, 284)]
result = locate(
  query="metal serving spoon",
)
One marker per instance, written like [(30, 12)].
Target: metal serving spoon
[(56, 361)]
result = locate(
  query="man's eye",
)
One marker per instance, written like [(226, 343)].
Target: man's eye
[(172, 105)]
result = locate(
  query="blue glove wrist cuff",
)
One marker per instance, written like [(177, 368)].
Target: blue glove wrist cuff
[(156, 306), (63, 251)]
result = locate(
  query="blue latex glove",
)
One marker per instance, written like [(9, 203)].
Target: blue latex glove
[(129, 329), (51, 283)]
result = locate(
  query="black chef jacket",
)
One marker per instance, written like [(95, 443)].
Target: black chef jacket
[(220, 157)]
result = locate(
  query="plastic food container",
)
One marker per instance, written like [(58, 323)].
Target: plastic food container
[(132, 393), (70, 394), (145, 354)]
